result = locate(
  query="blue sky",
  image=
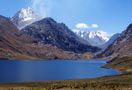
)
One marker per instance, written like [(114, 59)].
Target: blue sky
[(112, 16)]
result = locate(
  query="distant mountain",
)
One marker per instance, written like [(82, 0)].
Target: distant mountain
[(95, 38), (122, 46), (48, 31), (14, 46), (24, 17), (111, 41)]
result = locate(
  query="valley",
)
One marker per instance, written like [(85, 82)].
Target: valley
[(26, 36)]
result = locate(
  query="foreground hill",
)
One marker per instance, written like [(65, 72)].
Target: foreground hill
[(14, 46), (119, 82), (122, 45)]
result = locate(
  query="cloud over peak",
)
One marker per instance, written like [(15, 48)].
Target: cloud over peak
[(86, 26), (94, 26), (82, 26)]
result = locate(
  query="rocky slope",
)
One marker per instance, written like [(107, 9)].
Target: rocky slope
[(122, 45), (48, 31), (120, 51), (14, 46)]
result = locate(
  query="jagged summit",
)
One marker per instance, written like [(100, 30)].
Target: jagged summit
[(26, 14), (95, 38), (25, 17)]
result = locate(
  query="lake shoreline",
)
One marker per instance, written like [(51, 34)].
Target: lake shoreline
[(115, 82)]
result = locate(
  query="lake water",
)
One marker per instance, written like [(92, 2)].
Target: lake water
[(30, 71)]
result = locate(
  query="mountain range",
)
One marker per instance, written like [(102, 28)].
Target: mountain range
[(48, 31), (14, 46), (26, 35), (95, 38), (27, 16)]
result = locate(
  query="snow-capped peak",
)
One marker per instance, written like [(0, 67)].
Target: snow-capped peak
[(26, 14), (24, 17), (95, 38), (103, 35)]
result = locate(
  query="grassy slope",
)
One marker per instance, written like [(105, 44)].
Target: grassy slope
[(123, 63), (120, 82)]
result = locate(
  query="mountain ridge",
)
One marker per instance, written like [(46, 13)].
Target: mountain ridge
[(122, 46), (48, 31)]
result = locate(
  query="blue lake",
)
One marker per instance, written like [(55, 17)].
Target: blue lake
[(31, 71)]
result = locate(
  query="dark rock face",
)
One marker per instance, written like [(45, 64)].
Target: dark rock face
[(122, 45), (48, 31)]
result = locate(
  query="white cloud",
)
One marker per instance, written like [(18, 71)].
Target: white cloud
[(82, 26), (86, 26), (94, 26), (42, 7)]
